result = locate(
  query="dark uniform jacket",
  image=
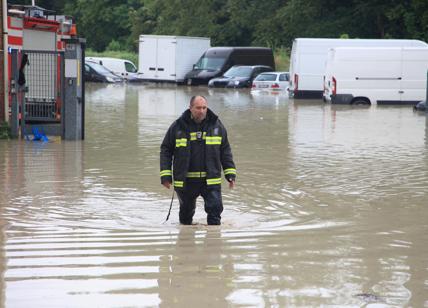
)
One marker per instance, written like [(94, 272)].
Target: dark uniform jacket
[(175, 151)]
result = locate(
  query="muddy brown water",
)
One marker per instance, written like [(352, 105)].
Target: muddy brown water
[(330, 208)]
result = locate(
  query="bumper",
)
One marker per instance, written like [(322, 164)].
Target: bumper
[(306, 94), (341, 98), (196, 81), (217, 84)]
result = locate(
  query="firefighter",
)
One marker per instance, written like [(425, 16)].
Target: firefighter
[(193, 153)]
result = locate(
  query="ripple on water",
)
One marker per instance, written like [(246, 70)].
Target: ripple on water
[(329, 203)]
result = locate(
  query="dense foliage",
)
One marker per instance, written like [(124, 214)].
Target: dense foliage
[(114, 24)]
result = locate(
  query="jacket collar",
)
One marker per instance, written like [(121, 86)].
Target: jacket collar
[(186, 118)]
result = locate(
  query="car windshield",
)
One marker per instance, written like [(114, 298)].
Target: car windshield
[(205, 63), (266, 77), (238, 71), (99, 68)]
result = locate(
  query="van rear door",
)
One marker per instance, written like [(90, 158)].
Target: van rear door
[(148, 55), (166, 59)]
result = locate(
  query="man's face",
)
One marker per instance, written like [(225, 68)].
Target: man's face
[(199, 109)]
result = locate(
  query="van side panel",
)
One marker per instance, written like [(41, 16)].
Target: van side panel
[(117, 66), (256, 56), (369, 73)]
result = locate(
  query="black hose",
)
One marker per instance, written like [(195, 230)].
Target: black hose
[(170, 206)]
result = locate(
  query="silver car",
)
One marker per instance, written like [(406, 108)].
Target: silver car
[(271, 81)]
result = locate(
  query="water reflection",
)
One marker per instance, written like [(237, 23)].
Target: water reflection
[(40, 180), (3, 264), (195, 272), (330, 203)]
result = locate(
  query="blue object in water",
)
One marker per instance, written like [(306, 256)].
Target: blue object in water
[(39, 134)]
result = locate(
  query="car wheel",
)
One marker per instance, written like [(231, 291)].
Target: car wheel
[(360, 101)]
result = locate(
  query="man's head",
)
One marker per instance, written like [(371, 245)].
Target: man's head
[(198, 108)]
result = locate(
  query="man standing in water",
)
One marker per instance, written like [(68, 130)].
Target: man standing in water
[(193, 152)]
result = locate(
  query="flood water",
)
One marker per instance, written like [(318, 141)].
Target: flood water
[(330, 208)]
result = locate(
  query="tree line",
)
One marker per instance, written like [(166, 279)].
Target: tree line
[(117, 24)]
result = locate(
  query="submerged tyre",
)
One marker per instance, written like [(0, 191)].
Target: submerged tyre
[(360, 101), (421, 106)]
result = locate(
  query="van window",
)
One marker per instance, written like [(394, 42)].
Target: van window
[(205, 63), (130, 68)]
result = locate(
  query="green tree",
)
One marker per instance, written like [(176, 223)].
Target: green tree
[(101, 21), (273, 23)]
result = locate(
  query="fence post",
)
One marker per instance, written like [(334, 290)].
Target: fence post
[(74, 105), (14, 120)]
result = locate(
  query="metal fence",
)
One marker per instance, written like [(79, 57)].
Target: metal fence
[(44, 85)]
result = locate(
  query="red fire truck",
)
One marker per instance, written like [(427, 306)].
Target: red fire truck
[(36, 34)]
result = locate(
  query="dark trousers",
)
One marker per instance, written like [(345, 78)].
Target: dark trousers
[(212, 198)]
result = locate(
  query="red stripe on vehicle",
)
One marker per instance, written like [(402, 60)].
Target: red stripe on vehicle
[(14, 40)]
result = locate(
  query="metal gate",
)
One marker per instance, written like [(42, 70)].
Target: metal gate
[(44, 86), (37, 88)]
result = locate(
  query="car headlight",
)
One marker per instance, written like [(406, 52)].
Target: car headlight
[(109, 79), (236, 83)]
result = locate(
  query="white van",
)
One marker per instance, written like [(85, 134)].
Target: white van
[(384, 75), (308, 57), (124, 68)]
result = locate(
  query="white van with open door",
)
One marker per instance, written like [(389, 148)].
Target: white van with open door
[(384, 75)]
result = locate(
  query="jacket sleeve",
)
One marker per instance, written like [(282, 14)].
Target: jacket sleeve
[(166, 156), (226, 158)]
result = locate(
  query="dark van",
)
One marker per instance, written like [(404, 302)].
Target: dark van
[(217, 60)]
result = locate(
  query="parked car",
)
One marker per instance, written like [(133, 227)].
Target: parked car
[(97, 73), (239, 76), (217, 60), (276, 81)]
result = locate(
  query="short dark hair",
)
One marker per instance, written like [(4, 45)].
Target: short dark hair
[(192, 99)]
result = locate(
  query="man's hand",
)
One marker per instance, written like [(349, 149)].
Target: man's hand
[(167, 184), (232, 184)]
